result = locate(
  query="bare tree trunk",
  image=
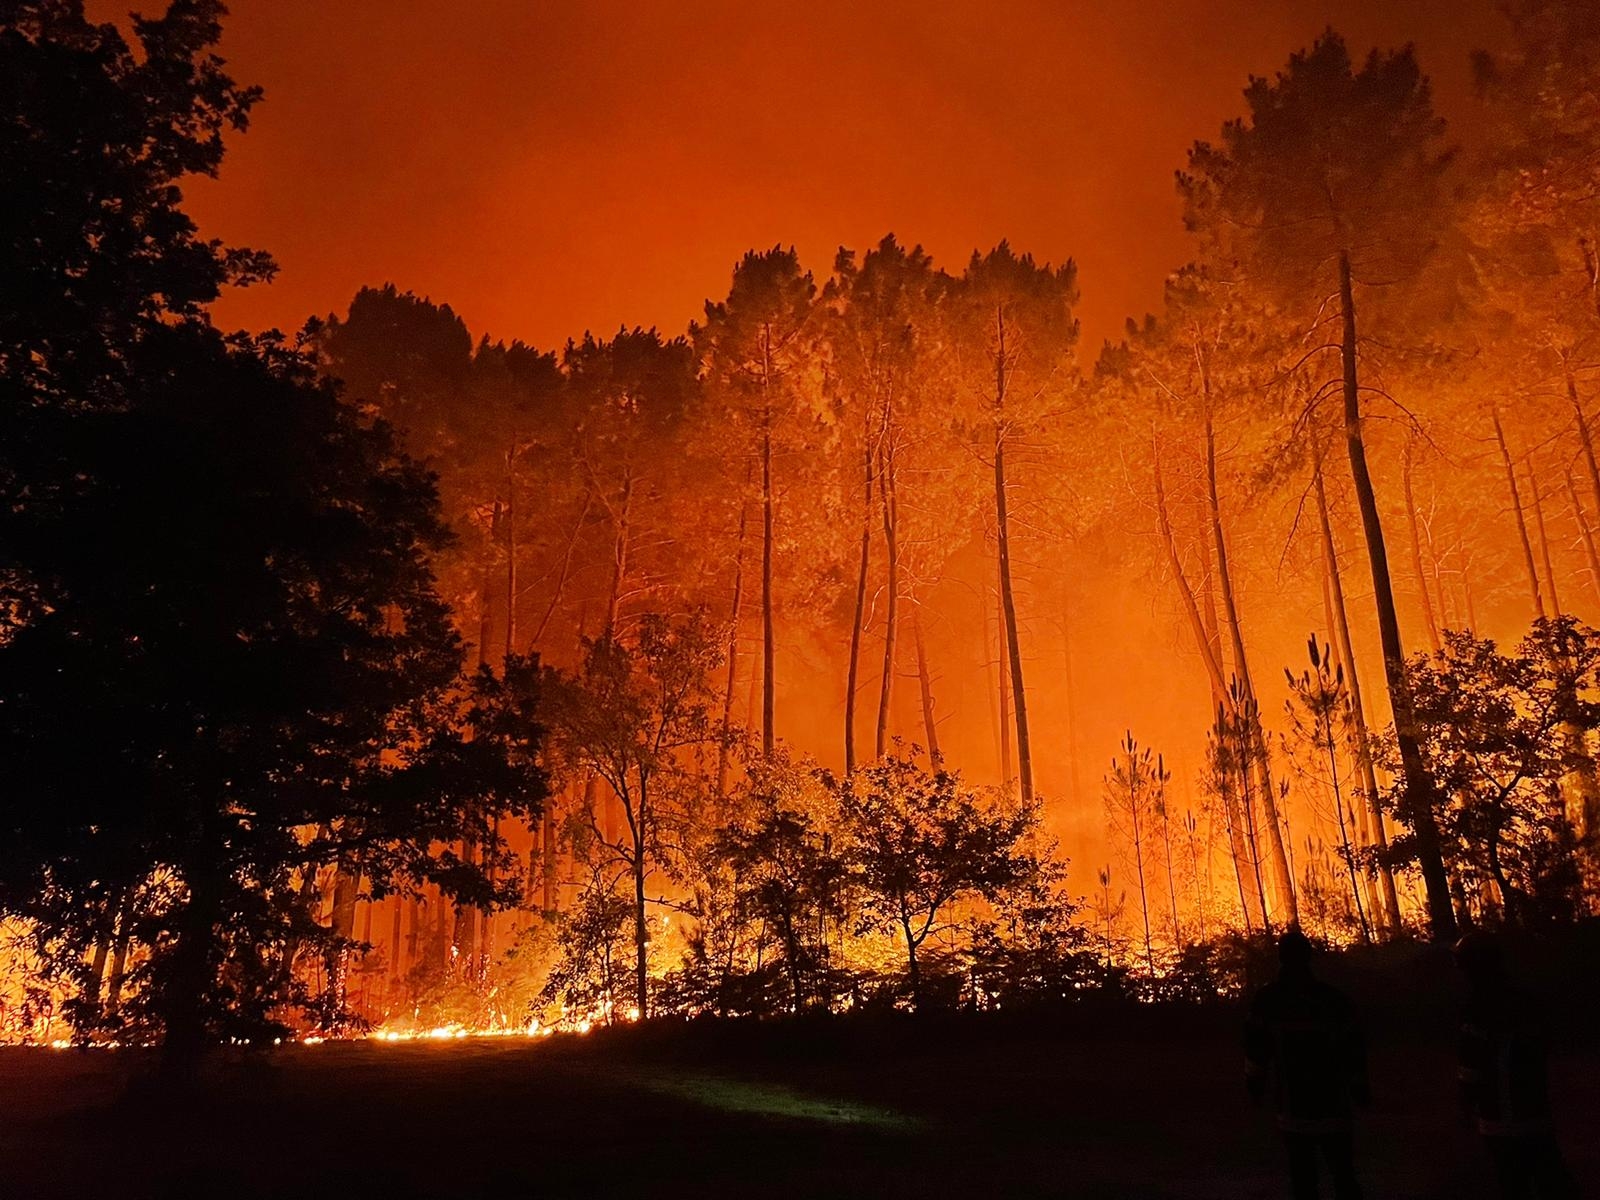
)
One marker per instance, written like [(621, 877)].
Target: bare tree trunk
[(622, 517), (97, 963), (396, 933), (1134, 803), (1287, 900), (1361, 832), (511, 553), (1208, 641), (1230, 813), (415, 946), (486, 920), (1584, 439), (346, 889), (1332, 747), (464, 933), (486, 589), (1006, 773), (563, 576), (1208, 597), (858, 622), (733, 660), (768, 643), (1244, 750), (1172, 884), (1587, 531), (1534, 589), (994, 685), (1210, 650), (641, 931), (1537, 503), (547, 828), (1008, 601), (925, 683), (1448, 613), (1390, 908), (1429, 623), (119, 957), (1418, 784), (192, 964), (892, 617), (1191, 827)]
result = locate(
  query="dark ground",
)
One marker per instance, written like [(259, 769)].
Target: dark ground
[(1111, 1104)]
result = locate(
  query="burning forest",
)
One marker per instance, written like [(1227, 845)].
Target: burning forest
[(894, 650)]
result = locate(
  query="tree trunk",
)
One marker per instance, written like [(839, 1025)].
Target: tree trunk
[(1172, 884), (1535, 591), (189, 977), (97, 962), (1331, 745), (1134, 802), (1284, 879), (486, 588), (992, 689), (564, 575), (464, 934), (1244, 752), (119, 957), (892, 617), (1210, 649), (346, 890), (641, 935), (1208, 598), (1008, 601), (622, 520), (396, 963), (1587, 531), (733, 660), (768, 644), (547, 822), (913, 971), (1006, 772), (1584, 440), (1428, 620), (1208, 642), (1537, 503), (511, 554), (1230, 814), (1390, 908), (858, 621), (486, 919), (1418, 785), (925, 685)]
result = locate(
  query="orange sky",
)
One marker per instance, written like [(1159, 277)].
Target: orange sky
[(547, 167)]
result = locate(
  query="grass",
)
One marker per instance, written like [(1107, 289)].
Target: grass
[(1119, 1103)]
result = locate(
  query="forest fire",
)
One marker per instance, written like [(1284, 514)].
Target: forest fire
[(864, 669)]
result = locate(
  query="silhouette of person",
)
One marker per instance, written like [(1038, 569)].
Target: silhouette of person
[(1501, 1066), (1304, 1051)]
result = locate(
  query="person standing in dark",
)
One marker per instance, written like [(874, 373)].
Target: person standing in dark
[(1304, 1053), (1504, 1088)]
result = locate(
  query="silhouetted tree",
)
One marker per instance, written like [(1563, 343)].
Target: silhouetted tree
[(630, 715), (1490, 725), (226, 668), (753, 347), (1333, 183), (920, 840), (1013, 338)]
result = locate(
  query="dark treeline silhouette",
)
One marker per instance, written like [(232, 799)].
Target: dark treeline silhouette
[(231, 689), (390, 675)]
